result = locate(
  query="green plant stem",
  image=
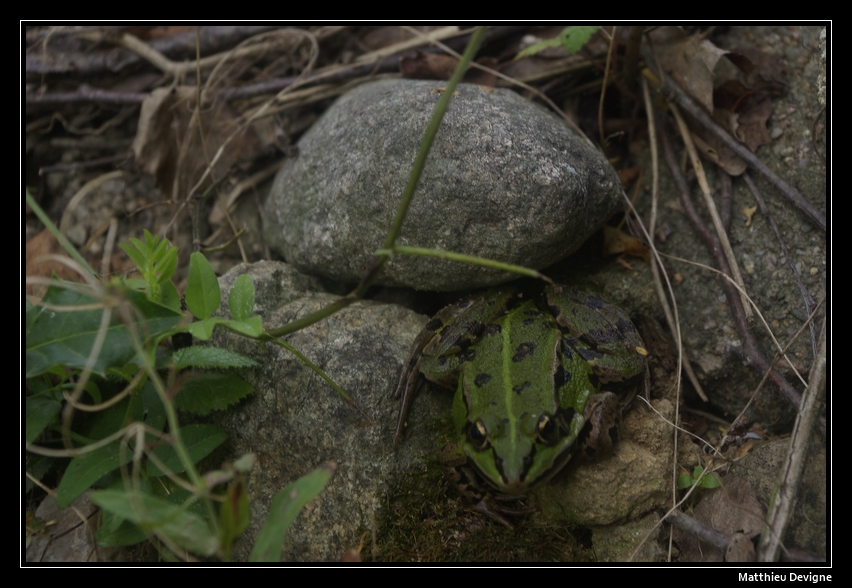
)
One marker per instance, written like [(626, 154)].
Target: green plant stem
[(149, 365), (60, 238), (471, 259), (407, 195), (429, 136)]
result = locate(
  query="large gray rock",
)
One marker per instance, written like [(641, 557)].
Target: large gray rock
[(505, 179)]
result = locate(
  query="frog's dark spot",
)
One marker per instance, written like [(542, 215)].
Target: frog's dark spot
[(598, 337), (493, 329), (564, 330), (523, 351), (521, 387), (532, 312), (555, 309), (475, 328), (492, 403), (464, 304), (613, 433), (481, 379), (434, 324), (594, 302), (463, 342), (529, 321), (625, 326), (568, 347), (561, 377), (442, 360), (467, 354), (589, 354)]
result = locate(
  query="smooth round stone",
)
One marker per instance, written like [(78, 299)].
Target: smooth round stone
[(505, 180)]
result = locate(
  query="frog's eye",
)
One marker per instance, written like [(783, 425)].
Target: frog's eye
[(547, 431), (478, 436)]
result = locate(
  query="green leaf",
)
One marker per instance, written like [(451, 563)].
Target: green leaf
[(134, 251), (65, 338), (41, 411), (37, 466), (169, 296), (199, 441), (85, 470), (241, 298), (539, 47), (153, 515), (710, 481), (204, 329), (200, 356), (684, 481), (209, 391), (573, 38), (282, 512), (252, 326), (202, 289)]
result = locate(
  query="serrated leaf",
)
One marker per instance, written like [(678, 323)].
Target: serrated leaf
[(282, 512), (65, 338), (153, 515), (85, 470), (199, 441), (209, 391), (41, 411), (200, 356), (241, 298), (202, 289)]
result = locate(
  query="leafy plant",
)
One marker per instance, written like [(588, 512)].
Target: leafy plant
[(95, 351), (707, 482), (571, 39)]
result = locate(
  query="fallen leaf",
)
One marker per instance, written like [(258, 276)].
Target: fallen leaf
[(169, 146), (749, 213), (617, 241)]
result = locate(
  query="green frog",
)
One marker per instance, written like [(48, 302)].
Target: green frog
[(539, 379)]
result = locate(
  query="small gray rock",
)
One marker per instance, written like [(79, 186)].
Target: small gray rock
[(505, 179)]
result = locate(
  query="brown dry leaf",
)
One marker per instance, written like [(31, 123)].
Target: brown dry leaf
[(690, 61), (628, 174), (732, 509), (168, 143), (427, 66), (381, 37), (37, 247), (719, 153), (741, 106), (617, 241), (433, 66)]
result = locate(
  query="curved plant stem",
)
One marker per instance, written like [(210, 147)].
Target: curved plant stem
[(472, 259), (407, 195)]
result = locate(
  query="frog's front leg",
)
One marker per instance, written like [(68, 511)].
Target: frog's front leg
[(603, 423)]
